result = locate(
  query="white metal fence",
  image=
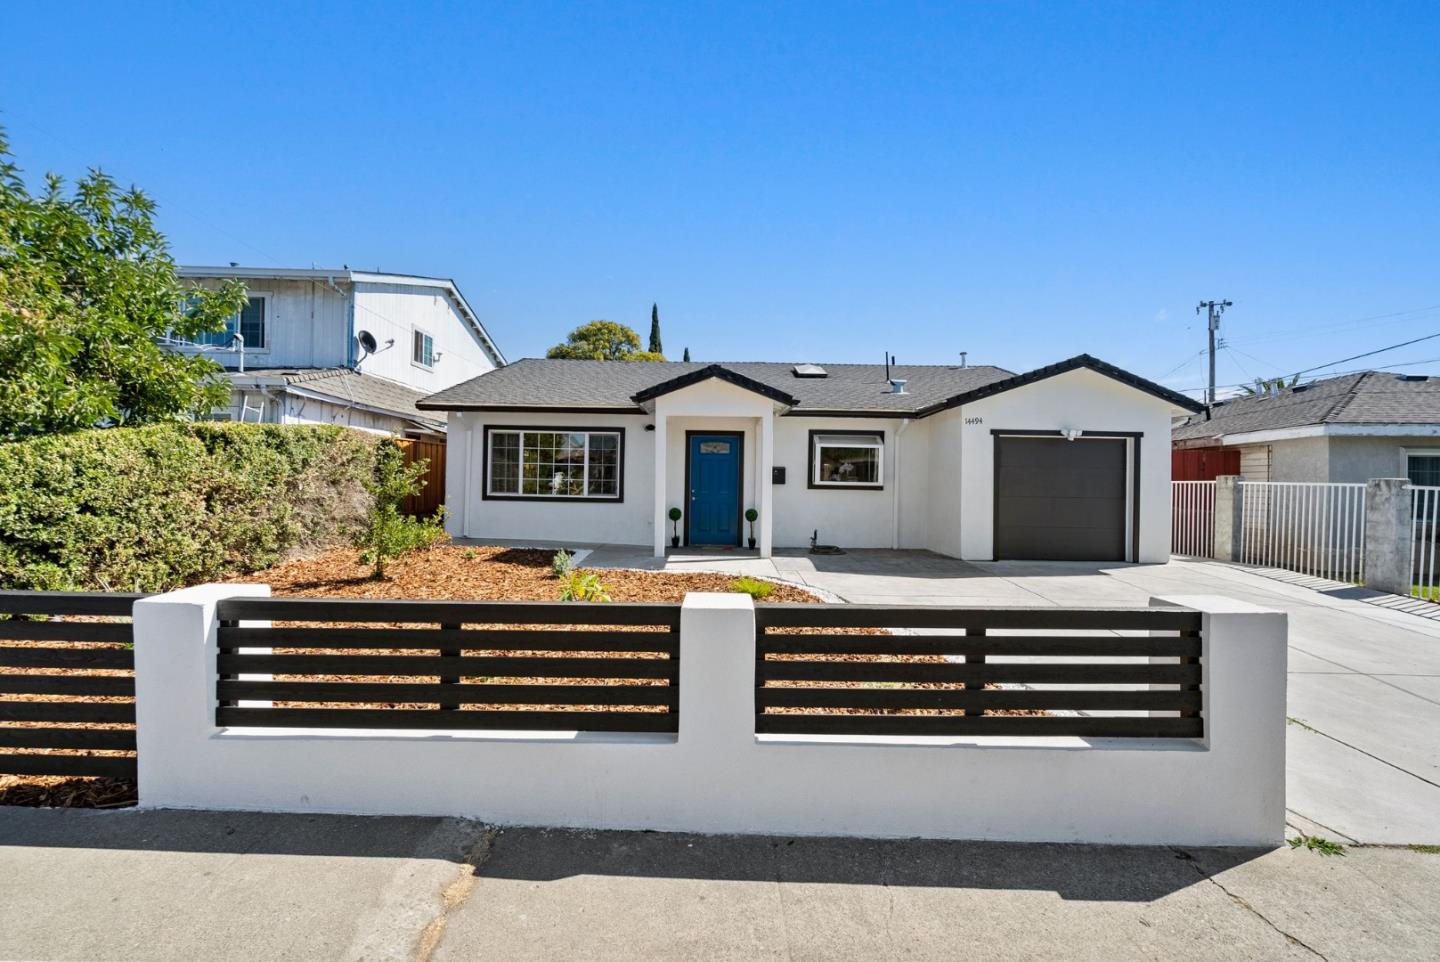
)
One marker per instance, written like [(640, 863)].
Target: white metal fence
[(1425, 542), (1192, 518), (1312, 528)]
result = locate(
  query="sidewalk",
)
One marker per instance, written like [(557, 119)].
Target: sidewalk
[(215, 886)]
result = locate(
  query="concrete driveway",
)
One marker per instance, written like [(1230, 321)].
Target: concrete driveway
[(1364, 682)]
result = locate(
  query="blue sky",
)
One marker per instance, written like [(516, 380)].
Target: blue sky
[(1020, 181)]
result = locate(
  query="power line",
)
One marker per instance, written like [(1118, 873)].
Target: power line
[(1369, 320), (1382, 350)]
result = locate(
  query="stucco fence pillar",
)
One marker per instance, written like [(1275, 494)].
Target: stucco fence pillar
[(1229, 518), (1389, 535)]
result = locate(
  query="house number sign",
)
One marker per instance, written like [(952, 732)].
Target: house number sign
[(974, 420)]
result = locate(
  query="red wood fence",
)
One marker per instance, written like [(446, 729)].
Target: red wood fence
[(432, 492)]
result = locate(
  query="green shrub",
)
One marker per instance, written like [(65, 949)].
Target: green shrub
[(754, 587), (153, 508), (388, 532), (562, 564), (584, 586)]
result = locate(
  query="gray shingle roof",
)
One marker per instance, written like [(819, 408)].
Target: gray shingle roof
[(1372, 397), (537, 382), (347, 386)]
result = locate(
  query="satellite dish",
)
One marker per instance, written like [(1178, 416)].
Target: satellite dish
[(367, 342)]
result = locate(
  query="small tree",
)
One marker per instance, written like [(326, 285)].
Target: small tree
[(655, 345), (87, 287), (687, 355), (388, 532), (603, 341)]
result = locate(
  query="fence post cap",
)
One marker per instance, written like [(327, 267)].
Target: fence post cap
[(1214, 605), (727, 600)]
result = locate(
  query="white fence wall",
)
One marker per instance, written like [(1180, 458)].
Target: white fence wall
[(1192, 518), (717, 774), (1316, 529)]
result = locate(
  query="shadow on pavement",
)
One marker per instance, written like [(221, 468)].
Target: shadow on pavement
[(1086, 872)]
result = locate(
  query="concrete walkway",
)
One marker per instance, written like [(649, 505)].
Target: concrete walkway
[(1364, 682), (199, 885)]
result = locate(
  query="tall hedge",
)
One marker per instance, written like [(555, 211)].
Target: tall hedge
[(152, 508)]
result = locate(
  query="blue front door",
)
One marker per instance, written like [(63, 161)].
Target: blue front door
[(714, 480)]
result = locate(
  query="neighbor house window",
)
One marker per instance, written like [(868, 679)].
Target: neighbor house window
[(424, 349), (1424, 468), (553, 463), (847, 460), (249, 323)]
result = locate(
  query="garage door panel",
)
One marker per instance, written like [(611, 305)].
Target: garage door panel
[(1060, 500)]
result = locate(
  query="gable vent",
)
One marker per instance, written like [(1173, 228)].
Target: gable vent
[(808, 370)]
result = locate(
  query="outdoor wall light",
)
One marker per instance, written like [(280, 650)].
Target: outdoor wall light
[(1070, 434)]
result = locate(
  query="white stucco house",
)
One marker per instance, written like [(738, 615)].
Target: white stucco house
[(1067, 462), (338, 346)]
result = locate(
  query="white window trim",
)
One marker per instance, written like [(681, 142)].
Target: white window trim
[(266, 296), (1408, 453), (416, 329), (818, 443), (489, 454)]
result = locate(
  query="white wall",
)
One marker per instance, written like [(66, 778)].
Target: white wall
[(860, 517), (717, 775), (469, 515), (943, 494), (306, 325), (1079, 399), (395, 311)]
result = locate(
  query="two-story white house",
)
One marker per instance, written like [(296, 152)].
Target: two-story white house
[(338, 346)]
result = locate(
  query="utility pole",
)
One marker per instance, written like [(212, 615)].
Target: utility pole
[(1215, 308)]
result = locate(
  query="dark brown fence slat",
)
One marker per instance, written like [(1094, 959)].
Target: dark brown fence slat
[(1058, 645), (1140, 674), (446, 720), (399, 692), (122, 685), (955, 698), (474, 639), (68, 602), (86, 631), (12, 657), (67, 711), (377, 611), (980, 725), (111, 766), (798, 615), (115, 739), (437, 665)]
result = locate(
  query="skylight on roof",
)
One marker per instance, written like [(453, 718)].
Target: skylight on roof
[(808, 370)]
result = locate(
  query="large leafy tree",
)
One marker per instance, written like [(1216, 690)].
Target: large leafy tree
[(87, 286), (603, 341)]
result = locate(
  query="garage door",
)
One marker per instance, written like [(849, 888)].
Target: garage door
[(1058, 500)]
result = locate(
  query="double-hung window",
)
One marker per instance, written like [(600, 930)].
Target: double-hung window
[(249, 323), (423, 350), (854, 460), (554, 463)]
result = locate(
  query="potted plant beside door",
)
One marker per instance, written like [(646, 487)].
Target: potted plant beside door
[(751, 515), (675, 515)]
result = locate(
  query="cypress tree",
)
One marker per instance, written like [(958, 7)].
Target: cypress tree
[(687, 354), (655, 347)]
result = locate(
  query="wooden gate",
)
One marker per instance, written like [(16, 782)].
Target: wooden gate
[(432, 491)]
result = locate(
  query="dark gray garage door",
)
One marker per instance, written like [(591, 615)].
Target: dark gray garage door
[(1058, 500)]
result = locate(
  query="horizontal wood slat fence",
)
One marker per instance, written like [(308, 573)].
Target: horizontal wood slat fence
[(796, 675), (42, 712), (619, 662)]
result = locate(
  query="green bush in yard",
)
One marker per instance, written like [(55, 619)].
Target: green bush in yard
[(152, 508), (388, 532)]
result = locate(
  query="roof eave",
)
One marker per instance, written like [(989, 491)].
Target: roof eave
[(1076, 363), (716, 372)]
